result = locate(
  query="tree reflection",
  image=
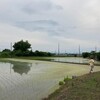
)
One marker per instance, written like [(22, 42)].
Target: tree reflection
[(21, 67)]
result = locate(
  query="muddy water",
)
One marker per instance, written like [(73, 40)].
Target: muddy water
[(34, 80)]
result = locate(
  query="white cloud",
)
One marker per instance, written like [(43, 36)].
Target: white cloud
[(44, 23), (11, 34)]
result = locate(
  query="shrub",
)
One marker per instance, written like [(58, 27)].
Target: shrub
[(5, 54), (61, 82), (67, 79)]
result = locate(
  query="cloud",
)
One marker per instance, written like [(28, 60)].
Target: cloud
[(49, 26), (38, 23), (11, 11), (46, 22), (17, 13), (11, 34), (38, 6)]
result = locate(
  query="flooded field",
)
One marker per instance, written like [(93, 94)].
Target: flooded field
[(34, 80), (73, 59)]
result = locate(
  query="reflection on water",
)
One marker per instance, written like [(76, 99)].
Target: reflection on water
[(20, 67), (17, 67), (33, 80)]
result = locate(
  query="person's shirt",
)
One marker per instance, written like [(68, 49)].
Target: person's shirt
[(91, 62)]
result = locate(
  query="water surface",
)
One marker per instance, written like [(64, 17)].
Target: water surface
[(73, 59), (34, 80)]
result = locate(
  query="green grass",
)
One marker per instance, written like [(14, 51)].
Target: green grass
[(86, 87), (36, 58)]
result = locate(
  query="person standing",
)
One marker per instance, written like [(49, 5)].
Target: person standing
[(91, 64)]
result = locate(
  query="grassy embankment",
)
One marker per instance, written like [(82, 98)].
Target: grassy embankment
[(36, 58), (32, 58), (86, 87)]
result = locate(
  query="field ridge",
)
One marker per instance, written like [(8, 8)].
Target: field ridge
[(85, 87)]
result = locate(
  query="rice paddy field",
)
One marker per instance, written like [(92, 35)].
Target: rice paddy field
[(32, 79)]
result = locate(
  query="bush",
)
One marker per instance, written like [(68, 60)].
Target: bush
[(61, 82), (64, 81), (5, 54), (67, 79)]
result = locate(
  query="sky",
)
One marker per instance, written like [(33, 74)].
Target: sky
[(47, 23)]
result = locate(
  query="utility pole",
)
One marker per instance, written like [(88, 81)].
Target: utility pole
[(79, 50), (95, 49), (58, 49), (11, 48)]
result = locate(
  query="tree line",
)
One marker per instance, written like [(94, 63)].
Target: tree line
[(93, 54), (22, 48)]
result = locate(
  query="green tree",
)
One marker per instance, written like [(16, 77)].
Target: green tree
[(93, 54), (6, 50), (5, 53), (21, 46), (85, 54), (98, 56)]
